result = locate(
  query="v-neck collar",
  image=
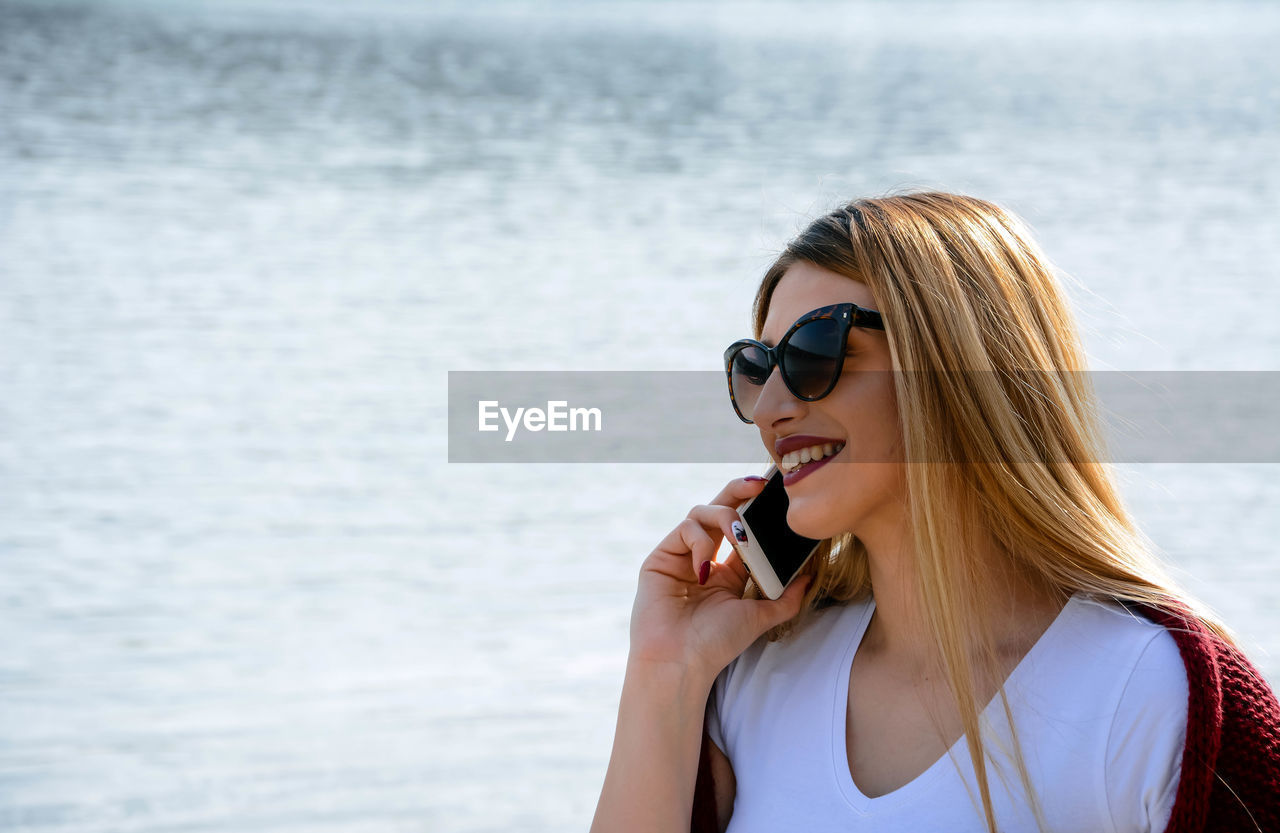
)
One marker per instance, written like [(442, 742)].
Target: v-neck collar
[(919, 785)]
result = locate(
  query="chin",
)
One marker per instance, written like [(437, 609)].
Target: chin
[(814, 522), (815, 517)]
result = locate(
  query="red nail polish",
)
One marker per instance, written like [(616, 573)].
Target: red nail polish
[(753, 477), (704, 572)]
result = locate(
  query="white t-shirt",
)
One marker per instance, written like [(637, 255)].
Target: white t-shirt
[(1099, 703)]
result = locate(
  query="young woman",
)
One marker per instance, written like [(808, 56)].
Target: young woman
[(983, 641)]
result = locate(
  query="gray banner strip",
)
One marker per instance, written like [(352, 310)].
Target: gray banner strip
[(686, 417)]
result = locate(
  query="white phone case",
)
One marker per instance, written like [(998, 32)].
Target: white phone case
[(762, 572)]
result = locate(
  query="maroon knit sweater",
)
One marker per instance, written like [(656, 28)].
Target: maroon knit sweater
[(1230, 780)]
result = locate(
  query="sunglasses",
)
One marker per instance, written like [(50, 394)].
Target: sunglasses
[(810, 356)]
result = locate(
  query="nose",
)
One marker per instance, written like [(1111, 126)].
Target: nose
[(776, 404)]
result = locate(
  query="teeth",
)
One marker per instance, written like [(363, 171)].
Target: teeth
[(796, 459)]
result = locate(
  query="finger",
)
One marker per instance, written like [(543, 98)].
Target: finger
[(733, 561), (714, 519), (680, 555), (771, 613), (718, 521), (731, 573), (738, 490)]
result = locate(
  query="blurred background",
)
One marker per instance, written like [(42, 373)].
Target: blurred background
[(242, 243)]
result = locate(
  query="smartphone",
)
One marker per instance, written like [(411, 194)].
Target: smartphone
[(772, 551)]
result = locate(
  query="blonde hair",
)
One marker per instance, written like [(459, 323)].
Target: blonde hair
[(1010, 451)]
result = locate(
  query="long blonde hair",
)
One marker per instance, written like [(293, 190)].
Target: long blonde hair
[(1009, 451)]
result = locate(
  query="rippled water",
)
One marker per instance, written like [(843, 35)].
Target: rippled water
[(241, 245)]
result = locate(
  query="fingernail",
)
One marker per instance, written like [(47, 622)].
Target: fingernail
[(753, 477), (738, 532), (703, 572)]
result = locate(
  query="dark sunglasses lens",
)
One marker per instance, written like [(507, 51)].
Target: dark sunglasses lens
[(813, 356), (748, 373)]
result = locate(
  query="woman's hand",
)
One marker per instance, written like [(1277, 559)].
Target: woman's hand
[(703, 628)]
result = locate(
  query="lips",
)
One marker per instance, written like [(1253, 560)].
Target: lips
[(795, 442), (806, 469)]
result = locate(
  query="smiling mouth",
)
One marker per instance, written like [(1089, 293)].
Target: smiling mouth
[(795, 459)]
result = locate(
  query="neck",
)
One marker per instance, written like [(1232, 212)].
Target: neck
[(898, 631)]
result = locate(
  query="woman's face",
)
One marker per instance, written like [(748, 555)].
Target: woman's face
[(863, 487)]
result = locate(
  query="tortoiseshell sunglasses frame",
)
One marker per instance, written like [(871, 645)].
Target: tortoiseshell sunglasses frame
[(848, 314)]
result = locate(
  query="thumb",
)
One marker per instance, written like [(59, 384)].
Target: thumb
[(776, 611)]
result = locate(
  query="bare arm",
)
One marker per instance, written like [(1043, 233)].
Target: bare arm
[(683, 632), (651, 775)]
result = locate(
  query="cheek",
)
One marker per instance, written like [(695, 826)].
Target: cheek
[(863, 487), (875, 435), (871, 477)]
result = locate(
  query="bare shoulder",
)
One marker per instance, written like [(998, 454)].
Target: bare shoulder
[(726, 785)]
